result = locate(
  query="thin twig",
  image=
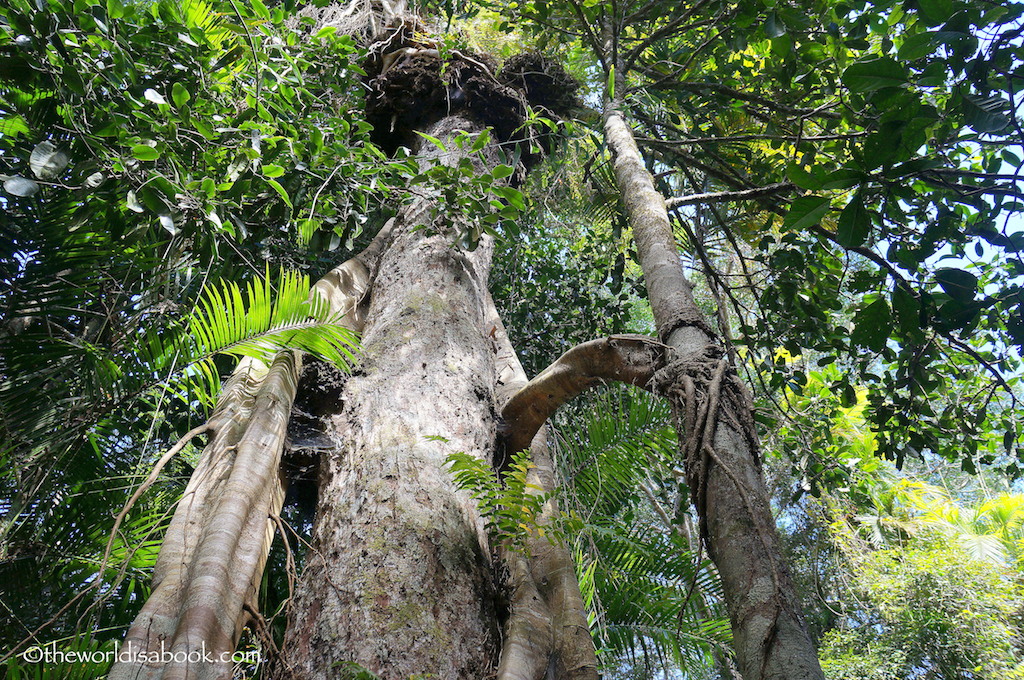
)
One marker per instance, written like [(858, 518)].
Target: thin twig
[(154, 473), (723, 196)]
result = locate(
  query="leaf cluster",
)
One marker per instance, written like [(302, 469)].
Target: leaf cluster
[(510, 506)]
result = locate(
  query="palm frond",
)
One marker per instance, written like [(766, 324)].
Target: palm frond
[(259, 324), (648, 591)]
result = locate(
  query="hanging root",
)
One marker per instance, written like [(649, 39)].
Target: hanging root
[(704, 389)]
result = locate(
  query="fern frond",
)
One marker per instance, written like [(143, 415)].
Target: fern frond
[(648, 592)]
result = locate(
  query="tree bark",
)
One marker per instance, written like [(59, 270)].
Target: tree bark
[(213, 555), (715, 423), (399, 581)]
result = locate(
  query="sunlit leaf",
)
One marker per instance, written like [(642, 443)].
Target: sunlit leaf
[(20, 186), (47, 161)]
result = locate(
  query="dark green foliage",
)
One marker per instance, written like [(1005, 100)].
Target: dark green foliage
[(149, 153), (655, 599), (511, 506)]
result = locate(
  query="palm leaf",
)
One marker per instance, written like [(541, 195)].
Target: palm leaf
[(258, 324), (636, 574)]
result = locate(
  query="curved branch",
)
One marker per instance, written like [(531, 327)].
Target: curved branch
[(547, 626), (968, 190), (632, 359)]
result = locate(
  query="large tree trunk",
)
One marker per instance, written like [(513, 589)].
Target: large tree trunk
[(716, 428), (399, 580)]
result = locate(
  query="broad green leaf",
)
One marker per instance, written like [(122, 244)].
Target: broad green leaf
[(985, 114), (854, 223), (180, 95), (935, 12), (433, 140), (13, 126), (774, 27), (957, 314), (261, 9), (802, 178), (115, 9), (271, 170), (917, 46), (872, 325), (874, 74), (843, 178), (805, 212), (482, 140), (513, 196), (957, 283), (913, 167), (280, 191), (502, 171), (908, 312), (144, 152)]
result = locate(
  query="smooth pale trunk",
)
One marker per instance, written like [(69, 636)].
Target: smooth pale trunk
[(770, 638)]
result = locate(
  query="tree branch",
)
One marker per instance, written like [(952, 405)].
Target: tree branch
[(970, 190), (973, 353), (718, 88), (676, 24), (723, 196), (731, 139), (631, 359), (592, 37)]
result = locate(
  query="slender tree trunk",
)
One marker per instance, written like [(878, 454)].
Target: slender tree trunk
[(547, 635), (715, 424)]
